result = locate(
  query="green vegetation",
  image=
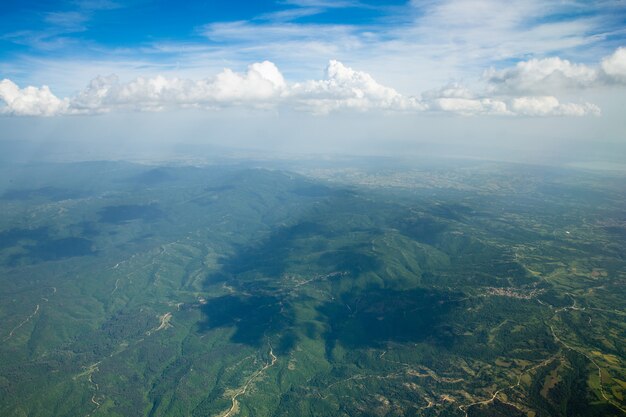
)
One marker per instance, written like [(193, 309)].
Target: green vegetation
[(473, 289)]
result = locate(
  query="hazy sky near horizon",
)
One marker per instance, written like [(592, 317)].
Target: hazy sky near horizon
[(511, 74)]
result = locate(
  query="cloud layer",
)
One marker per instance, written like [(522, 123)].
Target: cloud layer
[(558, 74), (30, 101), (261, 85), (527, 89)]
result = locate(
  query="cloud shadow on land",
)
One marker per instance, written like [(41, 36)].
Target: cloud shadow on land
[(358, 318), (263, 302), (125, 213), (29, 246), (268, 258), (263, 305), (372, 317), (261, 308), (254, 318)]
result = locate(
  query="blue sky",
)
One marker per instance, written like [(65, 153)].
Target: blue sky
[(163, 35), (421, 59), (56, 28)]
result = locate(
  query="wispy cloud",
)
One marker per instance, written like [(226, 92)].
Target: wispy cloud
[(289, 14), (285, 33), (73, 21), (58, 29), (326, 4), (94, 5), (440, 41), (414, 47)]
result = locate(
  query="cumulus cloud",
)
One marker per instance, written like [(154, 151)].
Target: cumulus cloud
[(468, 107), (550, 106), (30, 101), (538, 74), (345, 88), (555, 74), (614, 66), (458, 99), (262, 85)]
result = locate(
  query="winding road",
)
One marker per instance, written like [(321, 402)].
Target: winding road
[(234, 408)]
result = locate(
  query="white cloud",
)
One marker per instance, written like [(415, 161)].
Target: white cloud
[(322, 3), (93, 99), (462, 35), (347, 88), (439, 40), (30, 101), (468, 107), (263, 81), (69, 21), (539, 74), (614, 66), (452, 90), (556, 74), (275, 35), (457, 98), (550, 106), (93, 5), (263, 86)]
